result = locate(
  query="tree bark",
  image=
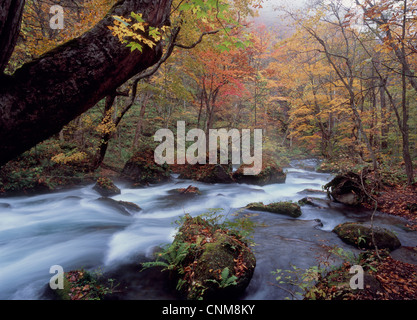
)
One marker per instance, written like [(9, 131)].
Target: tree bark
[(139, 125), (384, 123), (47, 93), (104, 143), (405, 132), (10, 17)]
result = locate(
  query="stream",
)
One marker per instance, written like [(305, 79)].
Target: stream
[(71, 228)]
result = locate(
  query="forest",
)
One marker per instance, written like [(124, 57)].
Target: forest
[(83, 92)]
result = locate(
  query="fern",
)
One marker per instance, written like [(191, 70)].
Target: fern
[(178, 253), (225, 279), (152, 264), (170, 258)]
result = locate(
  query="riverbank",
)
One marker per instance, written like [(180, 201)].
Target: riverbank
[(392, 194), (397, 200)]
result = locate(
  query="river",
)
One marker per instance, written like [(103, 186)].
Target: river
[(71, 228)]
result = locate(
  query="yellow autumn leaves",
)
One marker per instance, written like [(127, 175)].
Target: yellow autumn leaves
[(136, 32), (106, 126)]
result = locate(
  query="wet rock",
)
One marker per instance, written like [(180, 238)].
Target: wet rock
[(315, 202), (360, 236), (285, 207), (190, 190), (123, 207), (319, 224), (347, 189), (142, 170), (310, 191), (105, 187), (305, 200), (269, 174), (208, 173)]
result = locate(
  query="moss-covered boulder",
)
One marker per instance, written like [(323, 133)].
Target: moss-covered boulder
[(207, 261), (208, 173), (81, 285), (106, 187), (360, 236), (284, 207), (143, 170), (270, 173)]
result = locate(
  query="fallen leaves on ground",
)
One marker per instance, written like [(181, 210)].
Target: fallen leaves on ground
[(385, 279), (399, 201)]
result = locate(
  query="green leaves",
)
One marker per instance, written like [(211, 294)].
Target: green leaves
[(137, 17), (134, 46), (227, 279), (171, 257), (232, 42)]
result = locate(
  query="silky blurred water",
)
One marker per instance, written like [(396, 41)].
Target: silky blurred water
[(73, 229)]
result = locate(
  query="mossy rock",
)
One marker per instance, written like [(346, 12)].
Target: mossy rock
[(218, 265), (270, 173), (79, 285), (284, 207), (360, 236), (105, 187), (143, 170), (208, 173)]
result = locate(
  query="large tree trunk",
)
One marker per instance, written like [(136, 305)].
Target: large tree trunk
[(10, 17), (47, 93)]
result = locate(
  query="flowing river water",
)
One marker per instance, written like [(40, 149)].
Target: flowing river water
[(73, 229)]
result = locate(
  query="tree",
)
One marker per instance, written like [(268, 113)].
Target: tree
[(48, 92), (394, 30), (342, 57), (195, 19), (10, 18)]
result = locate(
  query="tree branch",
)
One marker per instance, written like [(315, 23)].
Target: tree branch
[(197, 42), (47, 93)]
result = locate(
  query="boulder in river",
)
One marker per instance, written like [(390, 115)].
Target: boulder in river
[(270, 173), (4, 205), (315, 202), (347, 189), (106, 187), (207, 261), (190, 190), (311, 191), (143, 170), (360, 236), (123, 207), (208, 173), (284, 207), (81, 284)]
